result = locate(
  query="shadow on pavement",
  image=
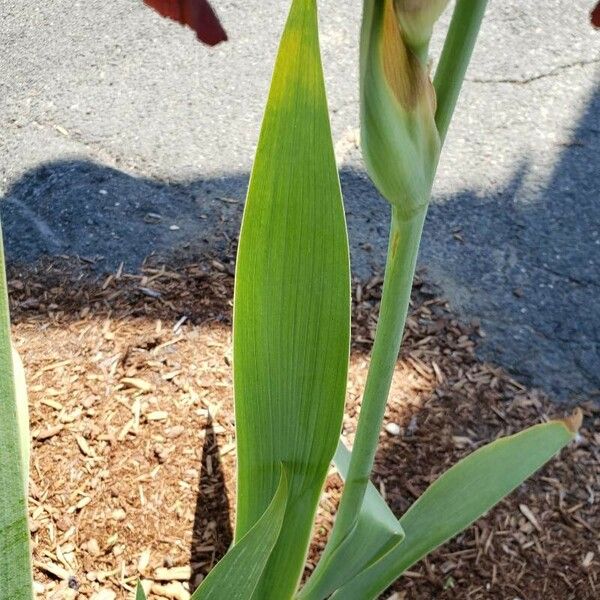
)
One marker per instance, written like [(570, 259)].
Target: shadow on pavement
[(527, 264)]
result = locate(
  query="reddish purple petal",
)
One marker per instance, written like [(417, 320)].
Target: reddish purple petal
[(197, 14), (595, 16)]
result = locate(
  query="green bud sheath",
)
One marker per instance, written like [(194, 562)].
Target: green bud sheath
[(400, 140), (416, 19)]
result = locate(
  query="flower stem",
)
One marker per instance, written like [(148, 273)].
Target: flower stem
[(405, 236), (403, 248), (456, 54)]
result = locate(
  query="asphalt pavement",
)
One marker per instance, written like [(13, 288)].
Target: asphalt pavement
[(122, 136)]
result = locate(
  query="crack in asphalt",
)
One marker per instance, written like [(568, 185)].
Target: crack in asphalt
[(525, 80), (570, 278)]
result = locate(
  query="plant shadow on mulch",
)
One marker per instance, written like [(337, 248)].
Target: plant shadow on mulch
[(130, 386), (212, 507)]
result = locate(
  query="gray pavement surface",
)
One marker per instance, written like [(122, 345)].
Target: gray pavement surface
[(110, 115)]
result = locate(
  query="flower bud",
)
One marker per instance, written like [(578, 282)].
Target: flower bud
[(400, 140), (416, 19)]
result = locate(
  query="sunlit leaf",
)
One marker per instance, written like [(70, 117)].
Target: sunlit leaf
[(455, 57), (15, 561), (291, 306), (376, 532), (22, 413), (459, 497), (238, 573), (139, 592)]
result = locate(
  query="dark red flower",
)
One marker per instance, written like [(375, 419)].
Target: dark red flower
[(595, 16), (197, 14)]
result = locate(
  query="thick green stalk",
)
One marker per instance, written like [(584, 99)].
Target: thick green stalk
[(403, 248), (15, 561), (402, 253), (458, 48)]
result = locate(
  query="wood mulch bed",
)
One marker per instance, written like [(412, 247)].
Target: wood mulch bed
[(133, 461)]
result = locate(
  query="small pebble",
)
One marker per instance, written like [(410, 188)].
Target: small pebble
[(393, 428), (73, 583), (587, 561)]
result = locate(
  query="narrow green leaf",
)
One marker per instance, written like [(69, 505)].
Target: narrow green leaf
[(237, 574), (291, 305), (377, 531), (139, 592), (458, 47), (22, 414), (459, 497), (15, 560)]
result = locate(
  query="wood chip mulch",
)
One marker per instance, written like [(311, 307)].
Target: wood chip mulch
[(133, 461)]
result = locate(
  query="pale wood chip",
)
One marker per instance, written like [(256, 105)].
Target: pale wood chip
[(53, 569), (173, 574), (46, 434), (136, 382), (85, 448), (174, 590), (529, 516), (157, 415)]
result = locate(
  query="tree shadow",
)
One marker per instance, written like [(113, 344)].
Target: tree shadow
[(527, 263), (523, 261), (212, 521), (108, 217)]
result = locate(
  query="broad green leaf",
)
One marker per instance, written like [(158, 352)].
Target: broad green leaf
[(238, 573), (376, 532), (459, 497), (139, 592), (291, 305), (15, 560)]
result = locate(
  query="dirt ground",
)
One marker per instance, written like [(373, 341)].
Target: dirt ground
[(133, 462)]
